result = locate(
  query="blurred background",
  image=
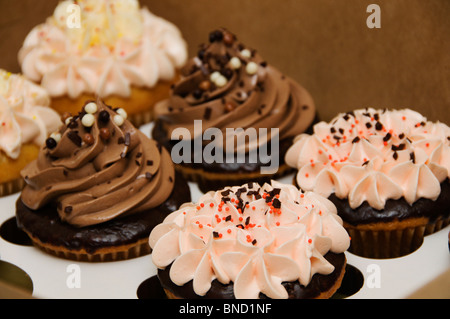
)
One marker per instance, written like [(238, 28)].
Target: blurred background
[(323, 44)]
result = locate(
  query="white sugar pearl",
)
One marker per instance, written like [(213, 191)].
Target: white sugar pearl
[(246, 53), (221, 81), (88, 120), (68, 120), (213, 77), (91, 108), (56, 136), (122, 113), (251, 68), (118, 119), (235, 63)]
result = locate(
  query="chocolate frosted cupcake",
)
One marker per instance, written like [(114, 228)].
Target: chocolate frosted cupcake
[(387, 172), (98, 188), (250, 241), (228, 91)]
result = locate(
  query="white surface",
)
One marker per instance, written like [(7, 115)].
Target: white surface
[(398, 277)]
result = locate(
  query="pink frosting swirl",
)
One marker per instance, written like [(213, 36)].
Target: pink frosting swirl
[(24, 114), (256, 237), (373, 155), (117, 46)]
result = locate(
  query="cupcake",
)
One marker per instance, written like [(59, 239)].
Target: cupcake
[(229, 92), (113, 50), (98, 188), (251, 242), (25, 122), (387, 172)]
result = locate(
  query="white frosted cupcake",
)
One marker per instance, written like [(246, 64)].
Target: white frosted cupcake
[(25, 123), (114, 50)]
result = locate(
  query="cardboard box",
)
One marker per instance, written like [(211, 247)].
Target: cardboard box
[(325, 45)]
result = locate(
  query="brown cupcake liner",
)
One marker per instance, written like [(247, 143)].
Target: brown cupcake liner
[(208, 181), (12, 187), (391, 242), (138, 249), (142, 118)]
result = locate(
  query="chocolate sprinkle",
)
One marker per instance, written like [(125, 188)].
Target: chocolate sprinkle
[(395, 155), (207, 114), (356, 140), (276, 203), (127, 139), (75, 138), (412, 157), (378, 126)]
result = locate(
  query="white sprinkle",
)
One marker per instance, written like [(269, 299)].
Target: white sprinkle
[(88, 120), (122, 113), (221, 81), (235, 63), (56, 136), (246, 53), (118, 119), (251, 68), (68, 120), (91, 108)]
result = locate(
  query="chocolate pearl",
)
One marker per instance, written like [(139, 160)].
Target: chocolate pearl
[(215, 36), (204, 85), (197, 94), (228, 38), (103, 116), (88, 139), (201, 54), (229, 106), (50, 143), (105, 134), (228, 73)]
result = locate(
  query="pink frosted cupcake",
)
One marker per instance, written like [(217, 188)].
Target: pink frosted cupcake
[(387, 171), (250, 241), (114, 50)]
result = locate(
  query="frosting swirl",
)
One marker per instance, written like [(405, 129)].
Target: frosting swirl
[(98, 167), (117, 45), (24, 114), (256, 237), (373, 155), (228, 85)]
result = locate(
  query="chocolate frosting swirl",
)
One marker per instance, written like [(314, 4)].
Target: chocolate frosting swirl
[(98, 167), (228, 85)]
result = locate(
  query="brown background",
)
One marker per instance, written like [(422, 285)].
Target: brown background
[(324, 44)]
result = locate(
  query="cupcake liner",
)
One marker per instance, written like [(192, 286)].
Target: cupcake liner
[(138, 249), (212, 180), (12, 187), (390, 243), (141, 118)]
